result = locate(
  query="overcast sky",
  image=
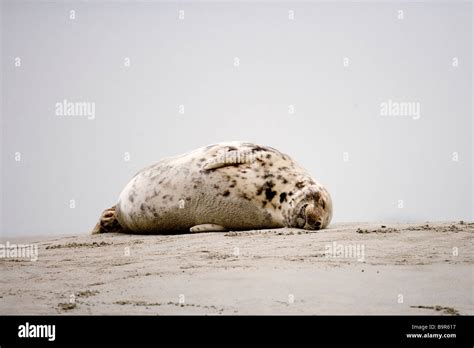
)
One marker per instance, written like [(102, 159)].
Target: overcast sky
[(374, 99)]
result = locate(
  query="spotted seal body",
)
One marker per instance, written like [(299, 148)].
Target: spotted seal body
[(225, 186)]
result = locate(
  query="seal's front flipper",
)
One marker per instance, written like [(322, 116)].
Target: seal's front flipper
[(207, 228), (230, 158)]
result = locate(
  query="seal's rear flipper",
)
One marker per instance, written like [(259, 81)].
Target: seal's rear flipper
[(207, 228), (230, 158), (108, 222)]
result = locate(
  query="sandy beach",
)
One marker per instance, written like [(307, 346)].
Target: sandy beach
[(350, 268)]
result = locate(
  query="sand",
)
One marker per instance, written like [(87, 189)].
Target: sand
[(350, 268)]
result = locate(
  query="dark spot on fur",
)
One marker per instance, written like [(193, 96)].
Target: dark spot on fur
[(267, 187), (269, 193), (216, 186), (268, 156), (244, 196), (256, 148), (243, 171), (165, 196), (268, 175), (300, 184), (195, 186), (142, 207), (226, 193), (130, 198), (231, 148), (202, 160), (282, 197), (290, 193)]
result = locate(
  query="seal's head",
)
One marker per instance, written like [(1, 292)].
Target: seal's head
[(313, 211)]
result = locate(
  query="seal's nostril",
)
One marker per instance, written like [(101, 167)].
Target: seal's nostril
[(317, 224)]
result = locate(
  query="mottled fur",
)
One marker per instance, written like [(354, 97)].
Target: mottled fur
[(233, 186)]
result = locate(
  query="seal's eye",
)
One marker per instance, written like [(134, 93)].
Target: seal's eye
[(323, 204)]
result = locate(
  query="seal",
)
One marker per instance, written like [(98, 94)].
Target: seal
[(220, 187)]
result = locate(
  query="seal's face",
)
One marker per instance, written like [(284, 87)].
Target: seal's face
[(314, 212)]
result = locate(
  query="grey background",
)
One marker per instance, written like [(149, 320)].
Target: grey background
[(190, 62)]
